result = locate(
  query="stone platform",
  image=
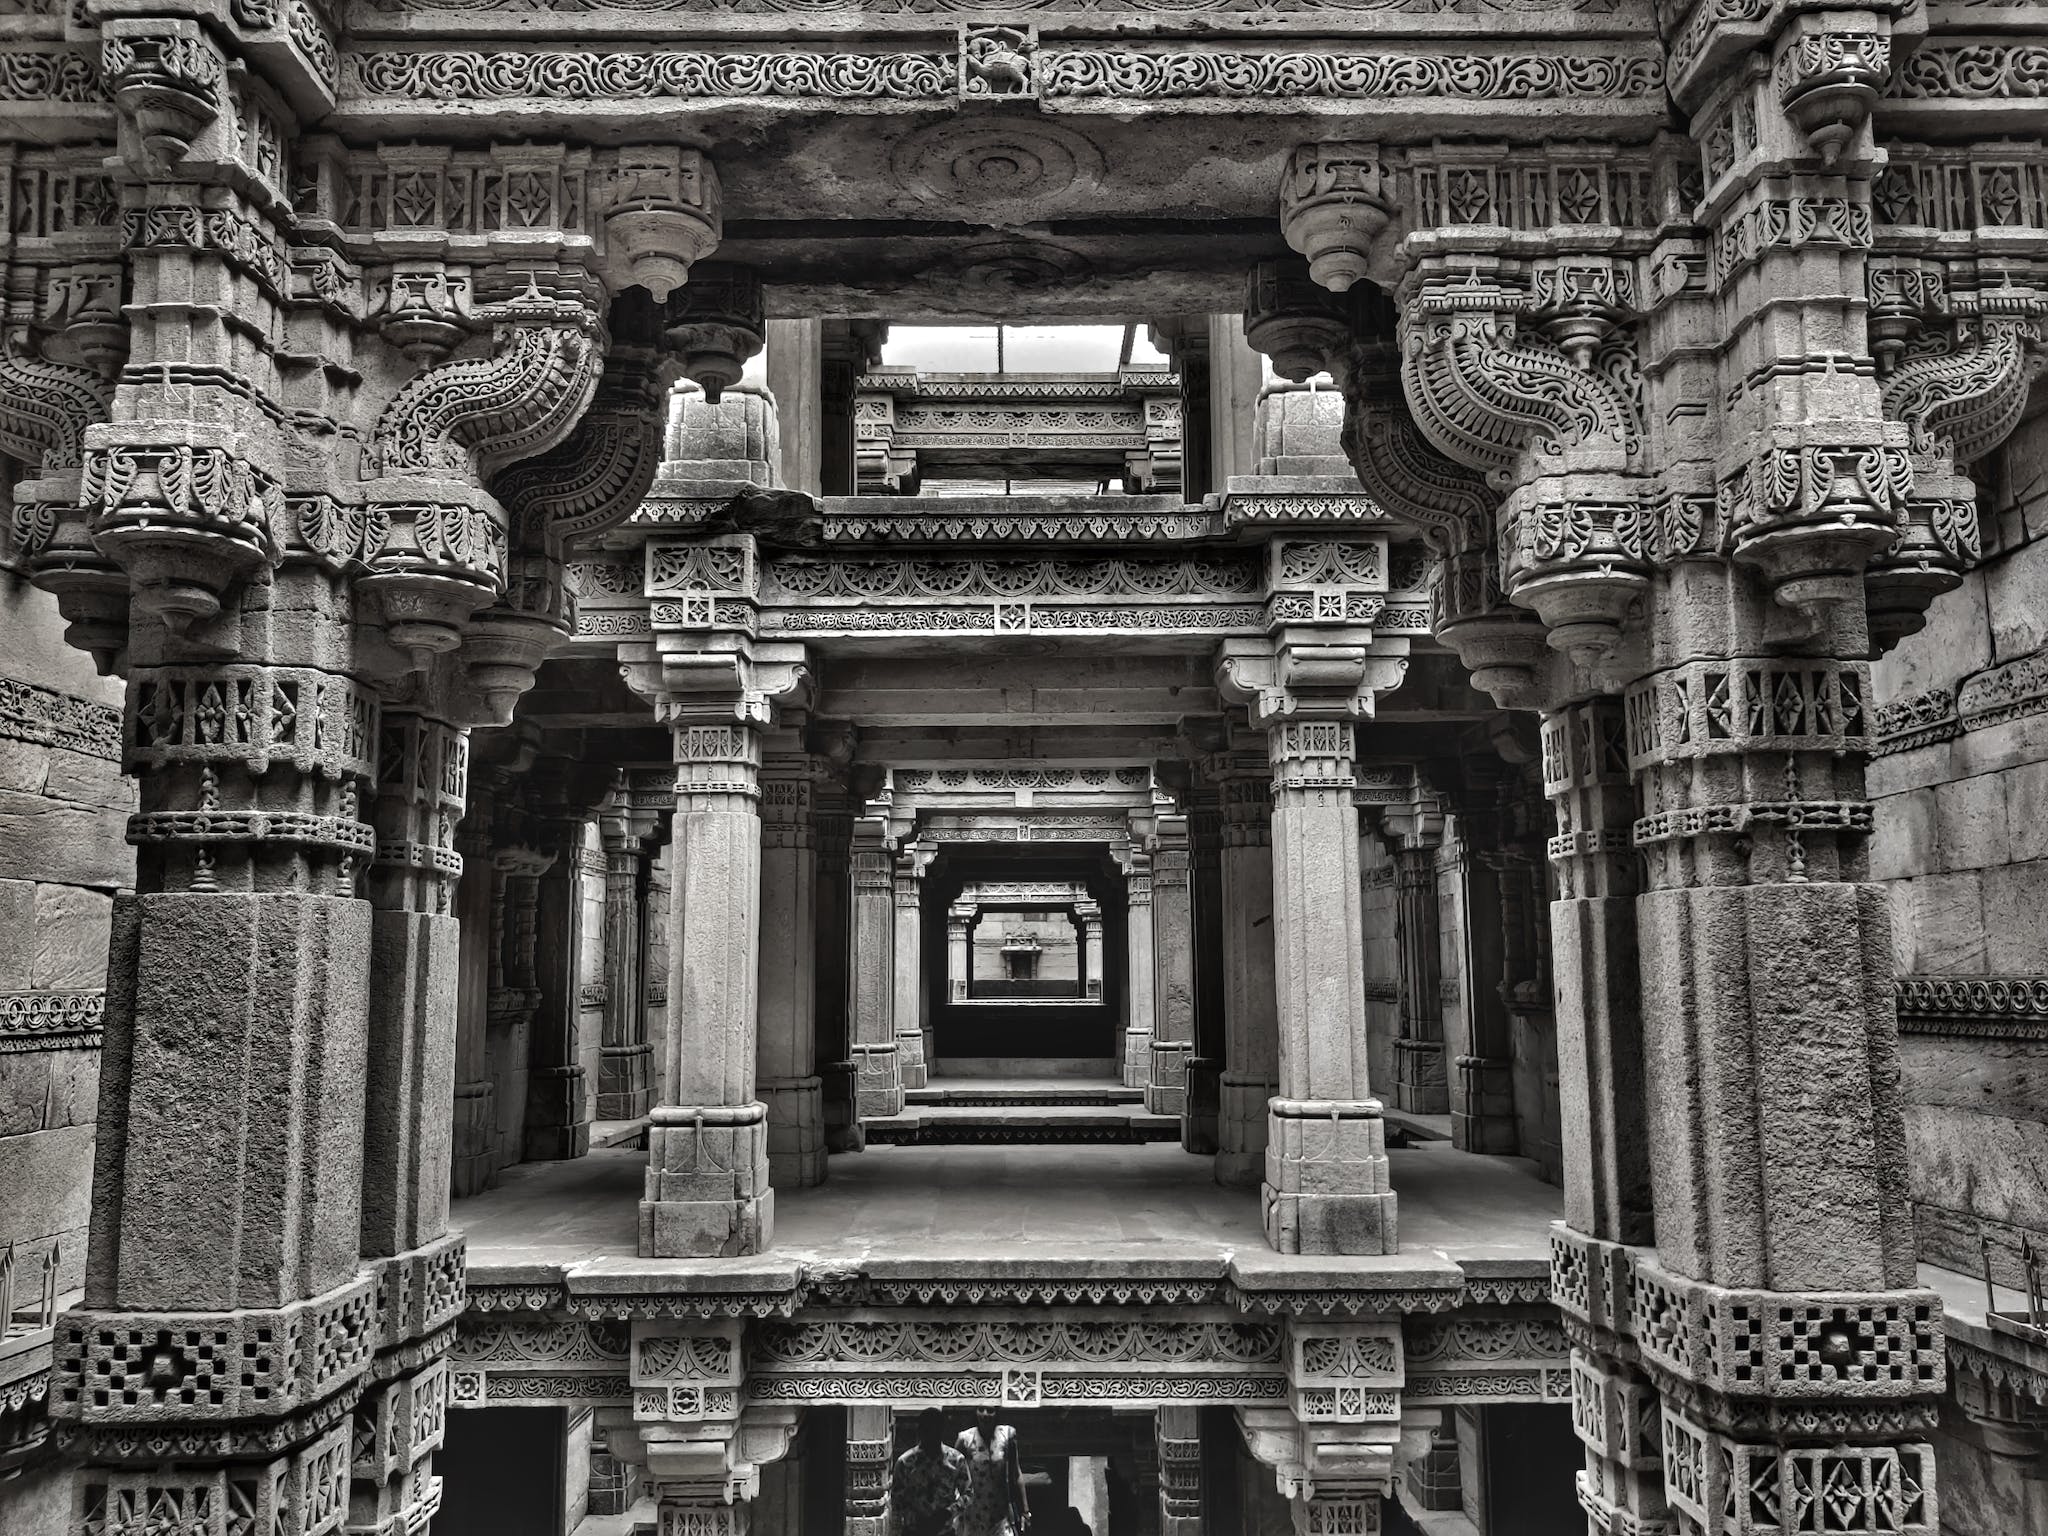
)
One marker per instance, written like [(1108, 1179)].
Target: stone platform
[(964, 1210)]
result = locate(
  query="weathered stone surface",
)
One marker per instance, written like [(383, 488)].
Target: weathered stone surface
[(71, 937)]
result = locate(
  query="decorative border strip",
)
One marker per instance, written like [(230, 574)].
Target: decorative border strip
[(30, 712), (2012, 690), (1982, 1007), (51, 1021)]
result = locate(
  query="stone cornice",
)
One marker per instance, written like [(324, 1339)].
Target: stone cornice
[(1979, 1007), (2010, 690), (31, 712)]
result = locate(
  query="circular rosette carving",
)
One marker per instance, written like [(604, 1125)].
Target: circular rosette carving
[(792, 1343), (1019, 578), (947, 1343), (1020, 1342), (1001, 274), (942, 578), (1247, 1342), (1168, 1342), (994, 162), (1097, 1341), (870, 1341)]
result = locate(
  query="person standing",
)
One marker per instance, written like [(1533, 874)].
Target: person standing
[(995, 1500), (929, 1485)]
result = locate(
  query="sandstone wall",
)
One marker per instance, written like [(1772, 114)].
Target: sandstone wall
[(1961, 792), (63, 814)]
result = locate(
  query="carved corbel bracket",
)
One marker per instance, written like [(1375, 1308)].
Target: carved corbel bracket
[(1553, 420), (443, 434), (717, 324), (1296, 323), (587, 483), (169, 84), (1830, 70), (1958, 399), (1331, 676), (1336, 200), (664, 214)]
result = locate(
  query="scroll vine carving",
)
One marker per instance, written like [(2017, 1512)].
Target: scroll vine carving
[(471, 415)]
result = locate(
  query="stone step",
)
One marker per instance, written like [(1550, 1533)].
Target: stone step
[(1021, 1124), (1042, 1092)]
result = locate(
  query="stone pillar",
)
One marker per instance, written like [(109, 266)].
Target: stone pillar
[(847, 349), (833, 819), (870, 1454), (1237, 374), (1593, 948), (1205, 1068), (1173, 950), (474, 903), (796, 380), (1326, 1187), (414, 962), (654, 910), (1251, 1050), (558, 1104), (1089, 915), (624, 1076), (1179, 1435), (1138, 966), (787, 1059), (1483, 1090), (878, 1080), (907, 993), (1422, 1086), (959, 956), (708, 1190)]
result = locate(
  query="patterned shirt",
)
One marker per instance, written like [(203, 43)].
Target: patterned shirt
[(988, 1466), (928, 1490)]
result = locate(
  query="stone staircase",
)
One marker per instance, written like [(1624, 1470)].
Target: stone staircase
[(1022, 1112)]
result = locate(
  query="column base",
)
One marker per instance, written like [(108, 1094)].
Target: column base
[(877, 1081), (843, 1131), (1420, 1087), (1198, 1121), (1241, 1130), (708, 1194), (624, 1076), (1483, 1114), (1167, 1092), (1137, 1058), (557, 1115), (471, 1164), (796, 1131), (910, 1070), (1326, 1188)]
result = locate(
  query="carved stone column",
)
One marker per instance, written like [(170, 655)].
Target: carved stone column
[(1138, 967), (1173, 948), (707, 1175), (959, 957), (1089, 915), (1326, 1187), (624, 1089), (1179, 1437), (878, 1080), (1199, 1125), (787, 1059), (1251, 1049), (558, 1104), (870, 1453), (833, 819), (1415, 833), (908, 990), (1593, 948), (1482, 1086), (795, 378)]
